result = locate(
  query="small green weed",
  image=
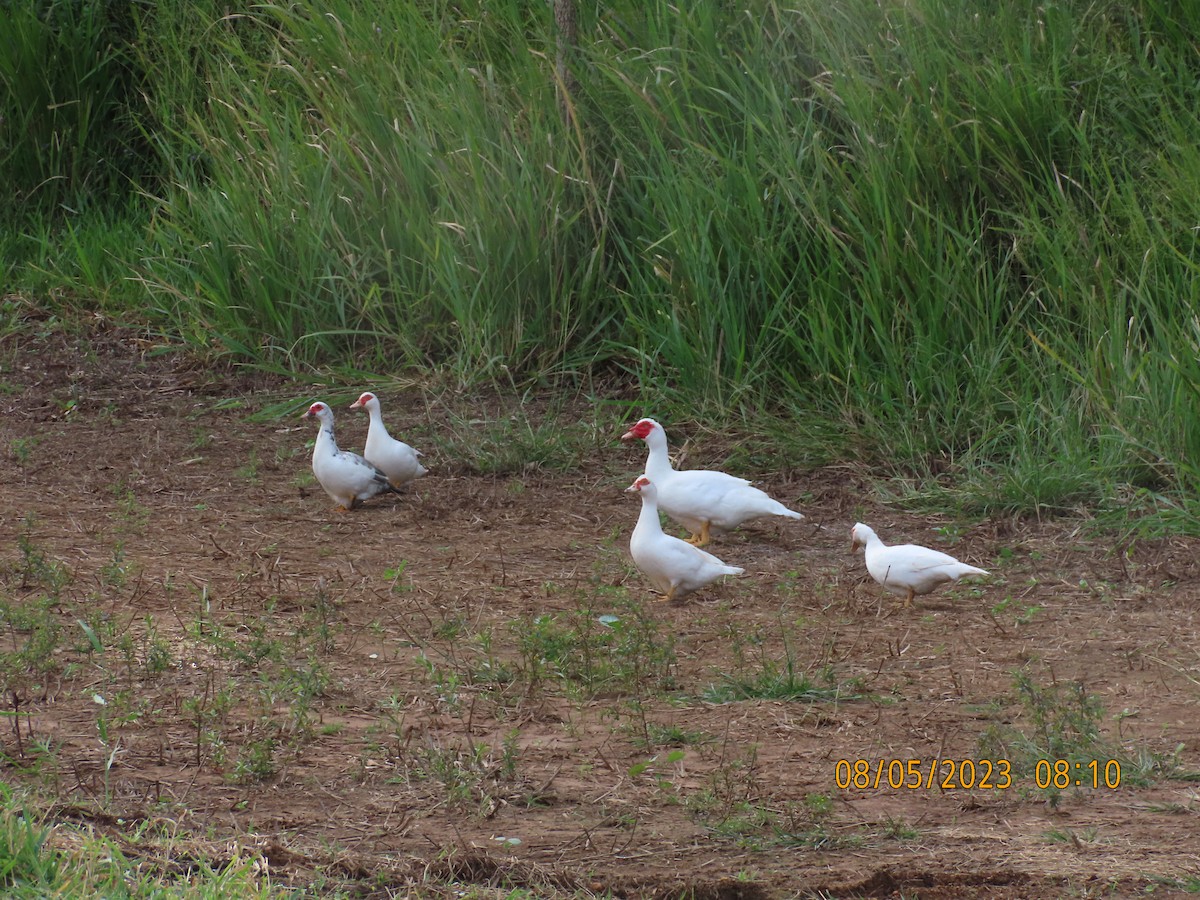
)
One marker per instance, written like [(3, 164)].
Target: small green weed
[(256, 762), (249, 470), (156, 652), (1188, 885), (898, 829), (607, 644), (660, 735), (658, 768), (131, 515), (21, 450), (209, 713), (36, 569), (321, 618), (116, 570), (400, 582), (31, 635), (1063, 722), (1071, 836), (1023, 613), (473, 774), (810, 824), (777, 680)]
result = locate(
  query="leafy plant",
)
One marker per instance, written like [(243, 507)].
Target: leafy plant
[(1063, 721), (778, 679), (591, 651), (25, 858), (36, 568)]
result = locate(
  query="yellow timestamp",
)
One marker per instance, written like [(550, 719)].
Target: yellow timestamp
[(968, 774), (1065, 773)]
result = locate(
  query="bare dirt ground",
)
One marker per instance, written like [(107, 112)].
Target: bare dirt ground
[(467, 690)]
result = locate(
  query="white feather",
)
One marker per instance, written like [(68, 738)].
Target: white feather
[(908, 569), (703, 501), (345, 476), (673, 566), (396, 459)]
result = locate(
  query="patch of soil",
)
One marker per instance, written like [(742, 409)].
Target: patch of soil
[(469, 686)]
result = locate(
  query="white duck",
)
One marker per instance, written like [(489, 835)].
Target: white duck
[(345, 476), (398, 461), (673, 566), (907, 569), (704, 501)]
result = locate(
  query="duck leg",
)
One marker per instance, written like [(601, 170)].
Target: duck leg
[(670, 595), (908, 599), (699, 540)]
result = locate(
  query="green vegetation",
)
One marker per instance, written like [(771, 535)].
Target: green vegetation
[(922, 231), (776, 680), (1058, 743), (482, 707), (35, 865), (593, 650)]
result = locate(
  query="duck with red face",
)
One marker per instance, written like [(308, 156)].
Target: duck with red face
[(704, 501), (400, 462), (346, 477), (674, 567)]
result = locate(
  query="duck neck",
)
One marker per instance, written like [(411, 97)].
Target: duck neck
[(873, 545), (658, 462), (326, 442), (376, 419), (648, 521)]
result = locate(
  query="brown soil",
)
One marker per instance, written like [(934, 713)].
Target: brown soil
[(372, 700)]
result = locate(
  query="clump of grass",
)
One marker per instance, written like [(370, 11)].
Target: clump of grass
[(810, 824), (1064, 721), (471, 774), (607, 644), (730, 805), (35, 861), (454, 267), (780, 681), (70, 95), (36, 569), (30, 638), (66, 79), (770, 678), (25, 858), (513, 444), (657, 734)]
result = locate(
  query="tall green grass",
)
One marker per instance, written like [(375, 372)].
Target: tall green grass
[(367, 188), (935, 231), (72, 152), (67, 141)]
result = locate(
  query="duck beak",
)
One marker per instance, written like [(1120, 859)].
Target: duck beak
[(627, 436)]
